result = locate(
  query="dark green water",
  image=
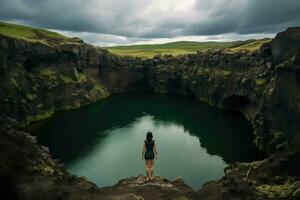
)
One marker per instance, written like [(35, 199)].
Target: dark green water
[(103, 141)]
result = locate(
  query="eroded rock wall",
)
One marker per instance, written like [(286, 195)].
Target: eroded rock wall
[(263, 84), (38, 79)]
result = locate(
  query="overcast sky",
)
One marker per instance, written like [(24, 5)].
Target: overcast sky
[(116, 22)]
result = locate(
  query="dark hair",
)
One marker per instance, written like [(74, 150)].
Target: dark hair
[(149, 136)]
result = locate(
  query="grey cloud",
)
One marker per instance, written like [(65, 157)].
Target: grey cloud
[(148, 19), (250, 16)]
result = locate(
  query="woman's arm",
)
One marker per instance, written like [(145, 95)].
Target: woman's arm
[(143, 152), (155, 151)]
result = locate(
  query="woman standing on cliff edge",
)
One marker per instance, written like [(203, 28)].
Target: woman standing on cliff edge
[(149, 148)]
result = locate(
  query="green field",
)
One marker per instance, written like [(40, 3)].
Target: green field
[(174, 48), (144, 51), (32, 34), (184, 47)]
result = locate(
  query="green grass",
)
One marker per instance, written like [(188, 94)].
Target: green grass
[(173, 48), (250, 45), (145, 51), (185, 47), (32, 34)]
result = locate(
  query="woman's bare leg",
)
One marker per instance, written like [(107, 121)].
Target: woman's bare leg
[(151, 169), (147, 169)]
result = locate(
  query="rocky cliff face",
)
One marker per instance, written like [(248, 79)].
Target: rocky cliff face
[(38, 79), (264, 84)]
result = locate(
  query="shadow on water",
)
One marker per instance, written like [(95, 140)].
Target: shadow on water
[(224, 133)]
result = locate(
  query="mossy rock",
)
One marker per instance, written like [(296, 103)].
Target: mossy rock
[(31, 97), (226, 73), (260, 81), (34, 89), (296, 194), (206, 70), (286, 190), (47, 72), (66, 79), (35, 118), (13, 82), (98, 92)]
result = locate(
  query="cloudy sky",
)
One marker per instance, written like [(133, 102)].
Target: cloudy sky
[(119, 22)]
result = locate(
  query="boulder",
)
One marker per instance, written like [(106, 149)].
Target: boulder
[(286, 45)]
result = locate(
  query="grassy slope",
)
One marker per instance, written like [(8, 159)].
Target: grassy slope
[(146, 51), (174, 48), (31, 34), (184, 47)]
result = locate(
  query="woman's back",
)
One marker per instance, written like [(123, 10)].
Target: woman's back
[(149, 145), (149, 148)]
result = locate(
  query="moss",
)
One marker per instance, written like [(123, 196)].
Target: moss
[(66, 79), (31, 97), (98, 92), (81, 77), (36, 118), (296, 193), (278, 141), (226, 73), (134, 197), (282, 191), (48, 170), (45, 169), (13, 82), (47, 72), (181, 198), (252, 165), (34, 89), (260, 81), (206, 70)]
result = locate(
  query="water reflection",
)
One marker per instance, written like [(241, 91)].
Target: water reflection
[(195, 141)]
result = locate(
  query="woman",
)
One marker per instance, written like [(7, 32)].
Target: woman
[(149, 148)]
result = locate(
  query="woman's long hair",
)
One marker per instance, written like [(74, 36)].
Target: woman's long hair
[(149, 136)]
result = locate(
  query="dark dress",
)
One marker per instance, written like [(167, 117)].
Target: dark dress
[(149, 154)]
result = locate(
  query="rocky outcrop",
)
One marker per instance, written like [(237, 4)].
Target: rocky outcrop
[(38, 79), (27, 171), (33, 175), (264, 85)]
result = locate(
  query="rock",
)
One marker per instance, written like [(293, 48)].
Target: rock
[(296, 194), (78, 40), (141, 181), (75, 75), (265, 50), (286, 44)]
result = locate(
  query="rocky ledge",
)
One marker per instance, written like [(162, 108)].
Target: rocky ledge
[(38, 79), (27, 171)]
